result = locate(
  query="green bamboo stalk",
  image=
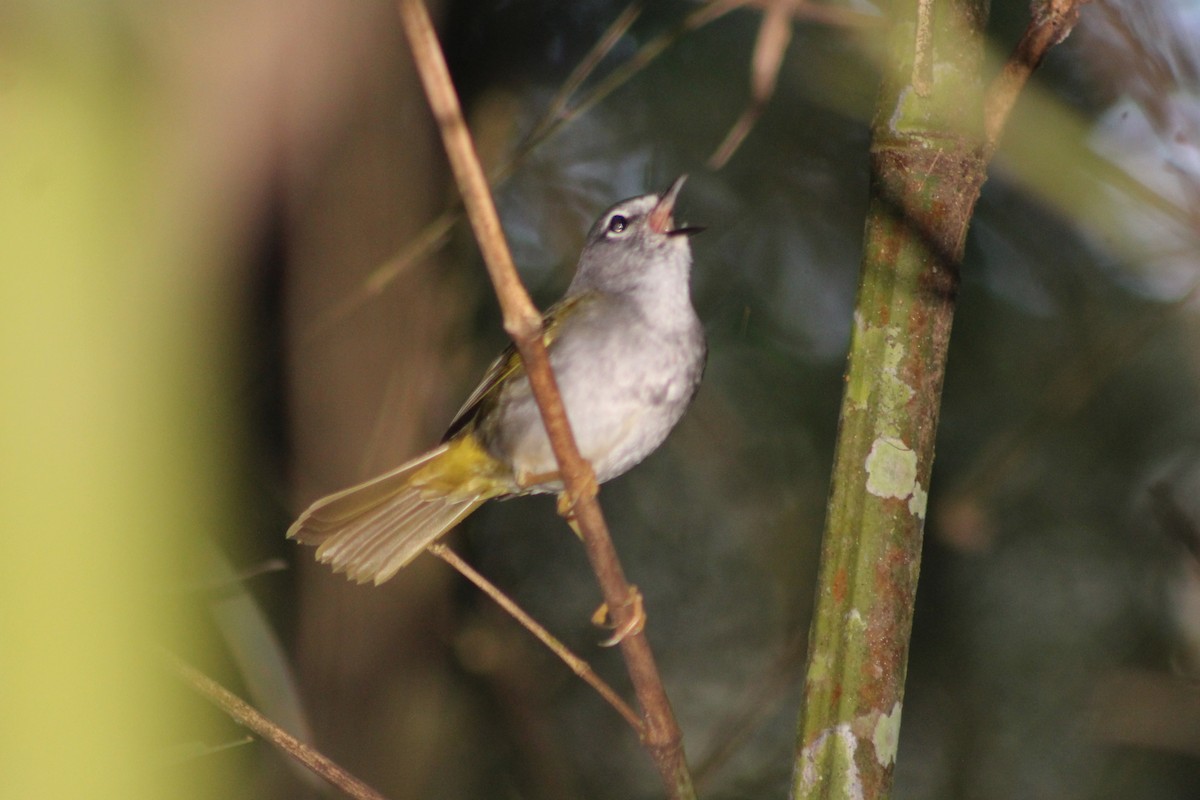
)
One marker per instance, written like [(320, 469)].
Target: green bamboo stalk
[(926, 177)]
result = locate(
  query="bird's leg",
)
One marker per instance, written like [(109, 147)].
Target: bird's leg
[(602, 617), (635, 624), (527, 480)]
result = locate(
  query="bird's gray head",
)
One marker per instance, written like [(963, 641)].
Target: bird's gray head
[(635, 246)]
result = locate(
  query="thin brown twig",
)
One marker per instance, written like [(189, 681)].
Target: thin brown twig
[(603, 46), (645, 55), (774, 35), (431, 237), (521, 319), (1052, 22), (523, 323), (246, 715), (574, 662)]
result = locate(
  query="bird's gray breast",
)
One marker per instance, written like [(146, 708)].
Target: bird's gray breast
[(626, 379)]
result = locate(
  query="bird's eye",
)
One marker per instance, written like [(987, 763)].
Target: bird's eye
[(617, 224)]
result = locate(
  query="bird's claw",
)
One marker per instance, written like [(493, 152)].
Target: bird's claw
[(567, 503), (634, 625)]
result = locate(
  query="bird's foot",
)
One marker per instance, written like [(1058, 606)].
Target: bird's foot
[(634, 625), (567, 503)]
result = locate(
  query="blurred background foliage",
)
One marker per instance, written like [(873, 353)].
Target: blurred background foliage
[(282, 164)]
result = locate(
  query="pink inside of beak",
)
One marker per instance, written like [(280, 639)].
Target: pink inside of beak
[(660, 217)]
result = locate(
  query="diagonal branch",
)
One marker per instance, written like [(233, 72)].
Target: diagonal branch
[(603, 46), (1052, 22), (247, 716), (524, 324)]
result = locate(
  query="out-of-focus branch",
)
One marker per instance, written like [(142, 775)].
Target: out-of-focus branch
[(523, 323), (246, 715), (1052, 22), (603, 46), (774, 34)]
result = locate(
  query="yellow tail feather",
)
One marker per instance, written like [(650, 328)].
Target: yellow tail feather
[(372, 530)]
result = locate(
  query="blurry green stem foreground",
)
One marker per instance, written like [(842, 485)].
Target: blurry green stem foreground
[(926, 176)]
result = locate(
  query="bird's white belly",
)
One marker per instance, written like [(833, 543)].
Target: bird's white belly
[(620, 412)]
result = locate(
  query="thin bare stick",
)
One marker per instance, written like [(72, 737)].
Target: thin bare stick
[(1052, 22), (428, 240), (644, 57), (562, 115), (523, 323), (247, 716), (774, 34), (604, 45), (576, 664)]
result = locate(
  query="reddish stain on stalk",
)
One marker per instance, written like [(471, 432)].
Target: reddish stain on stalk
[(887, 637), (839, 585)]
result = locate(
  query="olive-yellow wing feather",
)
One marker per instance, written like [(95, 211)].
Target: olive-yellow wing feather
[(506, 367)]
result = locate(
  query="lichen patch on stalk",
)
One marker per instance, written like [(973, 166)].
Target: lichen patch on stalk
[(891, 469), (886, 736), (837, 747), (918, 501)]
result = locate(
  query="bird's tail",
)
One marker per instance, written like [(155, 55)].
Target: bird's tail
[(371, 530)]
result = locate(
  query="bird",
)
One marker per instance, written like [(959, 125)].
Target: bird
[(628, 353)]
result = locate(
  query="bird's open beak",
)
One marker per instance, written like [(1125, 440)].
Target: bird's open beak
[(660, 220)]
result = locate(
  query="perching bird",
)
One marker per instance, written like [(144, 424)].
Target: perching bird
[(628, 353)]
